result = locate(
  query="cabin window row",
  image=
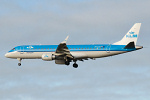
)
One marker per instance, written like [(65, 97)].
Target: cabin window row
[(41, 48), (88, 48), (69, 48)]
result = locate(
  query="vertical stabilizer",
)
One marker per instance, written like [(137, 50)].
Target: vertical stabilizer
[(131, 36)]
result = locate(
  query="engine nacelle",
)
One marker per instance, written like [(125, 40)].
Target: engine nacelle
[(60, 61), (48, 57)]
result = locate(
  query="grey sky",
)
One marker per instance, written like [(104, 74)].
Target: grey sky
[(120, 77)]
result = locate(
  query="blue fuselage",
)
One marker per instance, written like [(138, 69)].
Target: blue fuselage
[(72, 48)]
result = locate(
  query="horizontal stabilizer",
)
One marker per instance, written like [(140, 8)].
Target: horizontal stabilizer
[(130, 45)]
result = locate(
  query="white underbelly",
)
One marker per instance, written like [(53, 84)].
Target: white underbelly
[(95, 54), (75, 54)]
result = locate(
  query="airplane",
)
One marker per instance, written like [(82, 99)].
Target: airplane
[(64, 54)]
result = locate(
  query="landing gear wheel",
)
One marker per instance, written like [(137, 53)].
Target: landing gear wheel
[(75, 65), (19, 64), (67, 63), (19, 59)]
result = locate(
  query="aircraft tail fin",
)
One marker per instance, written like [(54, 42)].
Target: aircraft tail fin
[(131, 36)]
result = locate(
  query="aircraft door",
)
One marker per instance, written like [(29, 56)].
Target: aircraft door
[(108, 48), (21, 50)]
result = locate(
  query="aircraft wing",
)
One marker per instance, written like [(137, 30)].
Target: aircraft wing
[(62, 49)]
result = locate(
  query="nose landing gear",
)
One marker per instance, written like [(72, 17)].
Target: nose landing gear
[(19, 64), (19, 59)]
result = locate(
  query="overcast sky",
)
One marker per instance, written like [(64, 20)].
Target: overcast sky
[(121, 77)]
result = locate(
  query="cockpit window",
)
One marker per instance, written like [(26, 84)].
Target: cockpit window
[(13, 49)]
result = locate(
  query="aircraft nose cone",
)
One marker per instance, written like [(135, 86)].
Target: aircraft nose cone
[(7, 55)]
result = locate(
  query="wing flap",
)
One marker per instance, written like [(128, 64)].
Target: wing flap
[(62, 49)]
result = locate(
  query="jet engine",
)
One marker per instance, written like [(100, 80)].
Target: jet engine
[(59, 61), (48, 57)]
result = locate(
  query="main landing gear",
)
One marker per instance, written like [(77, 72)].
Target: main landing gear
[(67, 63), (19, 59), (75, 65)]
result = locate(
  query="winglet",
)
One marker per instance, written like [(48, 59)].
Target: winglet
[(65, 39)]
